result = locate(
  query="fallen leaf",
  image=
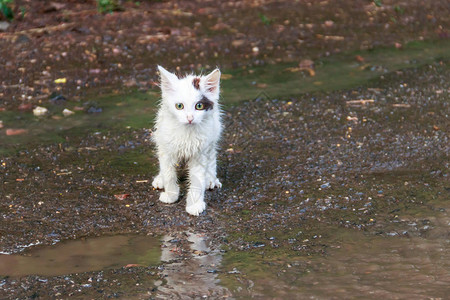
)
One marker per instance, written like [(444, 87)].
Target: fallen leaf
[(226, 76), (220, 26), (10, 131), (132, 265), (61, 80), (306, 63), (237, 43), (405, 105), (359, 58), (121, 196), (311, 72), (293, 70), (25, 107), (359, 102), (330, 37)]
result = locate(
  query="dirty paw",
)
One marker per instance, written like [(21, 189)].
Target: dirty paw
[(213, 183), (158, 182), (168, 197), (196, 208)]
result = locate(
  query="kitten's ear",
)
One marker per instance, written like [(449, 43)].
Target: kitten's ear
[(167, 79), (212, 82)]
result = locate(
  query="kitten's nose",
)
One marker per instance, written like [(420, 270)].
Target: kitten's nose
[(190, 118)]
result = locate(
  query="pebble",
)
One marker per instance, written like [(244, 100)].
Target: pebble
[(40, 111), (67, 112), (325, 185), (4, 26)]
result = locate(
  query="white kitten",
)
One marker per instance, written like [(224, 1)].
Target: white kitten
[(188, 127)]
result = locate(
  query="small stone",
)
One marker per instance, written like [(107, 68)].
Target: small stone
[(325, 185), (58, 99), (329, 23), (40, 111), (234, 271), (67, 112), (4, 26), (258, 245)]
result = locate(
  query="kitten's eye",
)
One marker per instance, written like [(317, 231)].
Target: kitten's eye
[(199, 106), (179, 106)]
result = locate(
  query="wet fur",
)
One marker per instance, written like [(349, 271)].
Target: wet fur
[(189, 135)]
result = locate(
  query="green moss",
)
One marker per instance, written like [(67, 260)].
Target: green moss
[(340, 71), (137, 109)]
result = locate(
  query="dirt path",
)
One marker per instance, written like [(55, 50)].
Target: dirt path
[(97, 53), (297, 171), (310, 163)]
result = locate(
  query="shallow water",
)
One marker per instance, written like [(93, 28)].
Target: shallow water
[(410, 260), (91, 254), (193, 276)]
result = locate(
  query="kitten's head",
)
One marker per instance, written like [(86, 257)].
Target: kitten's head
[(192, 98)]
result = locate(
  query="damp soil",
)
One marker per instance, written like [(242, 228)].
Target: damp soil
[(319, 187), (332, 187)]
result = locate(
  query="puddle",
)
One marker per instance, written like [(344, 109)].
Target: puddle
[(191, 270), (380, 266), (91, 254), (410, 262)]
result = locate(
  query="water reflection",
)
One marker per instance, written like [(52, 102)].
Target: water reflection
[(190, 267), (92, 254)]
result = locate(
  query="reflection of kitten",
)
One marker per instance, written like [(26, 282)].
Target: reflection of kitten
[(188, 128)]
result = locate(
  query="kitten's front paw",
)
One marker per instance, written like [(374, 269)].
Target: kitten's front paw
[(168, 197), (213, 183), (158, 182), (196, 208)]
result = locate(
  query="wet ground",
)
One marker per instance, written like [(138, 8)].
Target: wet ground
[(325, 195), (335, 185)]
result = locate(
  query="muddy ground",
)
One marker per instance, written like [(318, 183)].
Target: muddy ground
[(117, 51), (300, 172), (301, 169)]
